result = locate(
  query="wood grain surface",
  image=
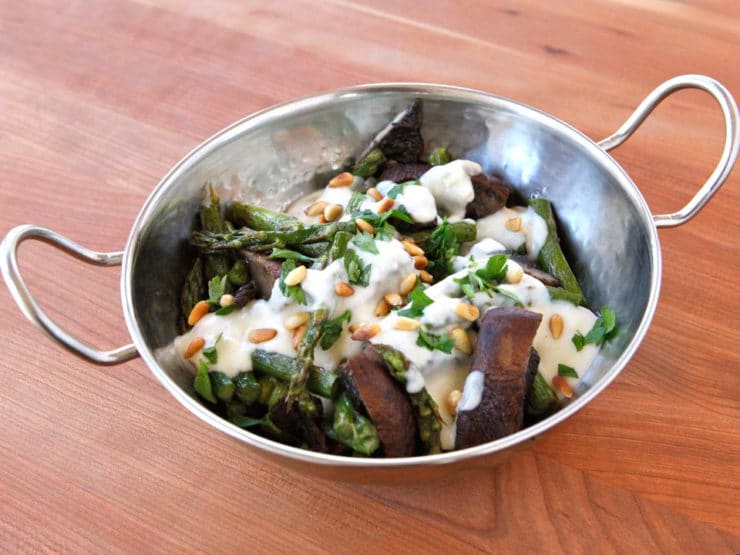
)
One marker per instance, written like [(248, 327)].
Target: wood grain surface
[(98, 99)]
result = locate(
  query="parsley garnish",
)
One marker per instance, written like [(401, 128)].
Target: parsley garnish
[(357, 273), (435, 342), (485, 279), (224, 310), (396, 190), (567, 371), (288, 254), (440, 248), (294, 292), (333, 329), (216, 289), (202, 383), (366, 242), (604, 328), (419, 301), (211, 353), (247, 422)]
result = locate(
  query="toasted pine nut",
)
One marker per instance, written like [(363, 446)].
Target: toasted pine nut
[(412, 248), (194, 346), (333, 212), (556, 326), (420, 262), (316, 208), (562, 385), (426, 277), (406, 324), (226, 300), (260, 335), (453, 399), (514, 274), (408, 283), (375, 194), (385, 205), (467, 311), (200, 309), (298, 334), (364, 332), (462, 340), (514, 224), (322, 218), (343, 179), (296, 276), (393, 299), (296, 320), (344, 289), (382, 309), (362, 225)]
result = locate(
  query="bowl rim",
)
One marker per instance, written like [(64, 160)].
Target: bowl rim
[(277, 111)]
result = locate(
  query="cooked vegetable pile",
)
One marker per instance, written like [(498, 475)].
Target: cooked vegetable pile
[(403, 310)]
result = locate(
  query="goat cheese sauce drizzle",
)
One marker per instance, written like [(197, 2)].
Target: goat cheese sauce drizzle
[(443, 190)]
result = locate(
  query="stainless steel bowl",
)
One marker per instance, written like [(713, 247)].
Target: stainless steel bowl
[(276, 155)]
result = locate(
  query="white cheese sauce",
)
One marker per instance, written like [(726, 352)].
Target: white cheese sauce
[(443, 191)]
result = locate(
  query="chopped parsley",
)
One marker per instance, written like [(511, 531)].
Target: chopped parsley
[(398, 188), (333, 329), (440, 248), (247, 422), (435, 342), (604, 328), (567, 371), (419, 301), (211, 353), (216, 289), (288, 254), (294, 292), (366, 242), (202, 383), (357, 273), (485, 279), (224, 310)]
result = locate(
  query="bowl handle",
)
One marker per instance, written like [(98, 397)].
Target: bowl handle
[(729, 153), (29, 306)]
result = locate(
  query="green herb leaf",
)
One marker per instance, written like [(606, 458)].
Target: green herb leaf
[(419, 301), (211, 353), (202, 383), (366, 242), (440, 248), (435, 342), (333, 329), (495, 269), (439, 156), (567, 371), (509, 295), (216, 289), (604, 328), (294, 292), (396, 190), (224, 310), (246, 422), (288, 254), (579, 341), (357, 273)]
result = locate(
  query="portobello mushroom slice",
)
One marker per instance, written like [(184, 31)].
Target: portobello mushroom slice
[(386, 403), (401, 139), (531, 269), (491, 195), (504, 367), (264, 271), (398, 173)]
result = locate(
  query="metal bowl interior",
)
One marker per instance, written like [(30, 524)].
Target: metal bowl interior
[(276, 156)]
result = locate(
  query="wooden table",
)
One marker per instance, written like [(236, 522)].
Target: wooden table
[(99, 99)]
